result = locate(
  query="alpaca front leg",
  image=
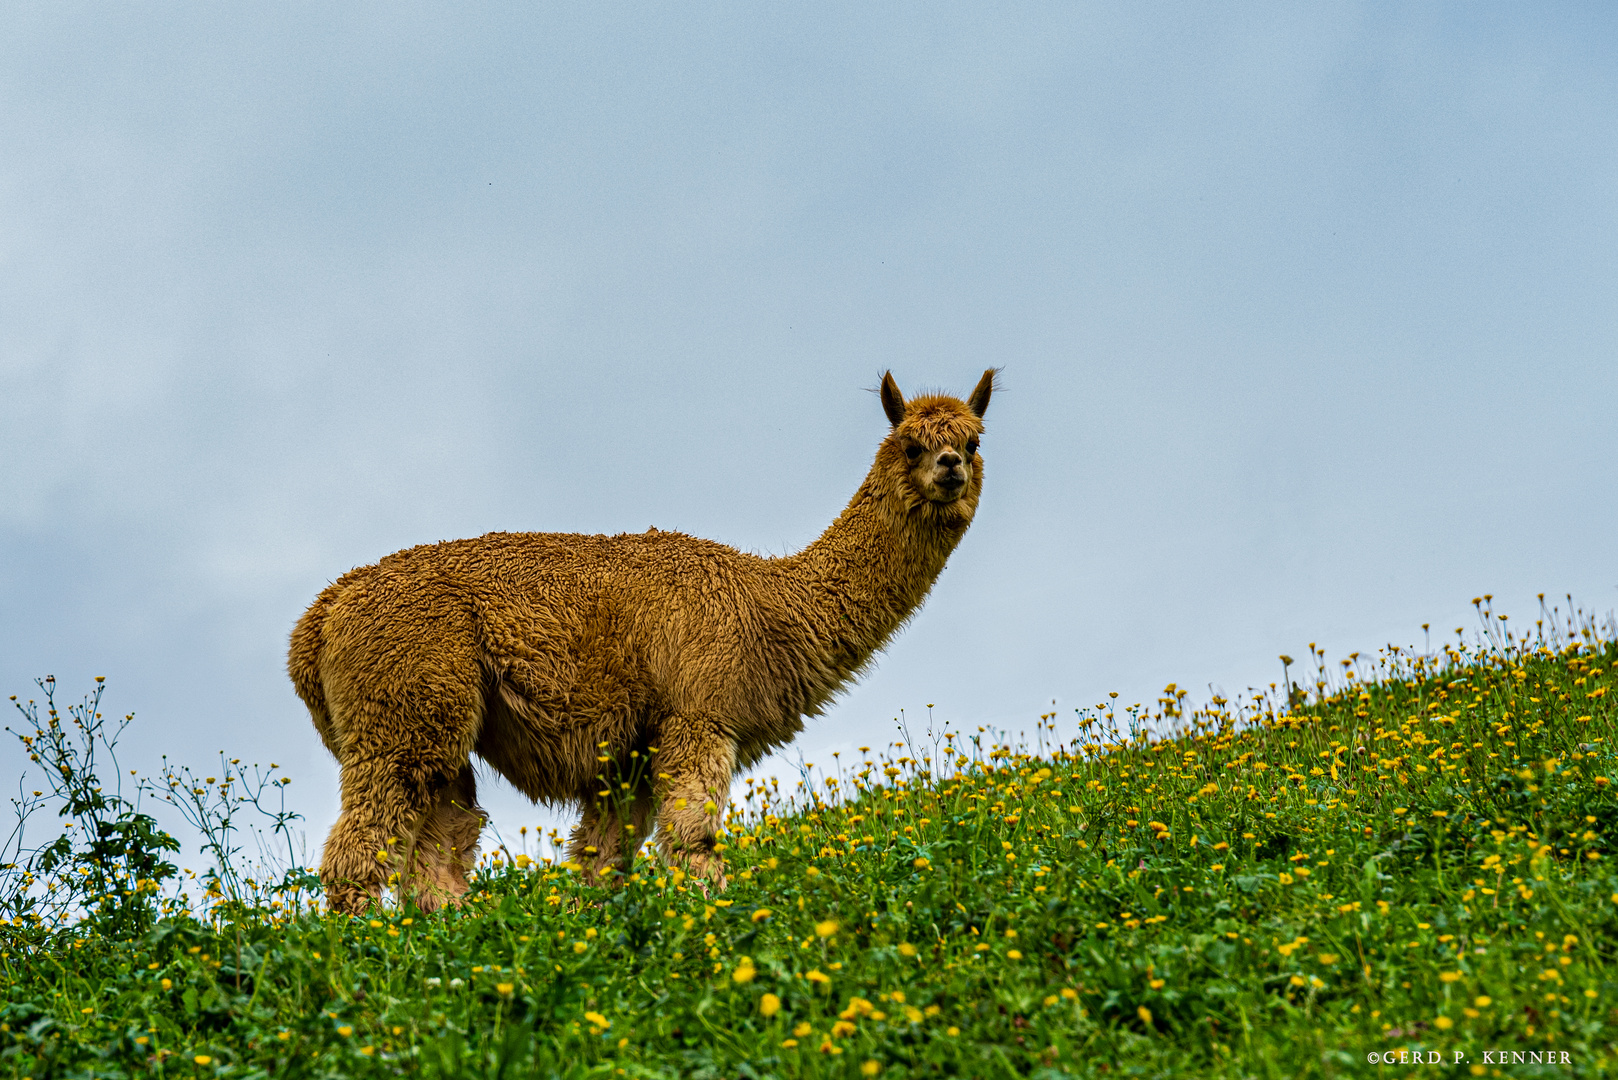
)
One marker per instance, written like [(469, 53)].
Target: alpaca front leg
[(694, 766), (604, 842), (606, 838)]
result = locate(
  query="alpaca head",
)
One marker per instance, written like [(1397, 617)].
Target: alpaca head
[(931, 456)]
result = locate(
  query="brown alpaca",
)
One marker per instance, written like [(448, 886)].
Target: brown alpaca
[(559, 659)]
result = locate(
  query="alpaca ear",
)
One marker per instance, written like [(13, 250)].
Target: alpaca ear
[(979, 401), (893, 402)]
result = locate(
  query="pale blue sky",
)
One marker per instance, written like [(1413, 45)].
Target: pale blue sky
[(1307, 316)]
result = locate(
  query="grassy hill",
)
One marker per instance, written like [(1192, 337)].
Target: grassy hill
[(1408, 854)]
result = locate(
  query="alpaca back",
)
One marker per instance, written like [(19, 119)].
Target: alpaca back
[(586, 639)]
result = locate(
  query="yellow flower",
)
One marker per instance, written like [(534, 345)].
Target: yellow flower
[(1449, 976), (1443, 1023), (802, 1030), (769, 1005), (745, 971), (906, 949), (1155, 984), (920, 864), (1014, 954), (826, 929), (579, 946), (870, 1068), (505, 988), (1145, 1014), (761, 914), (168, 984), (952, 1031), (202, 1059), (842, 1028), (345, 1031), (817, 976), (1483, 1001), (857, 1006), (367, 1050), (598, 1020)]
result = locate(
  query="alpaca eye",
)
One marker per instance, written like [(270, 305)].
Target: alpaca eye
[(913, 451), (971, 448)]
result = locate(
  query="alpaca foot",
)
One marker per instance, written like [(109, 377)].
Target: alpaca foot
[(606, 875), (346, 898), (708, 869), (433, 897)]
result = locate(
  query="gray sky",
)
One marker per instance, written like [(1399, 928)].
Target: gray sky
[(1307, 318)]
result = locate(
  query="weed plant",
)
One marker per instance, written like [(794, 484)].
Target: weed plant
[(1408, 855)]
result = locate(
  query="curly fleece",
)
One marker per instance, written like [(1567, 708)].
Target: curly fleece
[(631, 675)]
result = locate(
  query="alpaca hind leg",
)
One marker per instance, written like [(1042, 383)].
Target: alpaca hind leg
[(695, 763), (360, 853), (445, 845), (403, 683)]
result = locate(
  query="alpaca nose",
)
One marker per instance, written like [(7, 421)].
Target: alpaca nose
[(948, 459)]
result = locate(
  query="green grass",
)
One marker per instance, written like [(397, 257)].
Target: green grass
[(1414, 857)]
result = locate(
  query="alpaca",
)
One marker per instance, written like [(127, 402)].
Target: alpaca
[(663, 662)]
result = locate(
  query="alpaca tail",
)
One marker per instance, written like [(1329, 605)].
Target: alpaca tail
[(303, 664)]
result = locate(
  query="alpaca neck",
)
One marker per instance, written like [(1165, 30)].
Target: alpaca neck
[(870, 570)]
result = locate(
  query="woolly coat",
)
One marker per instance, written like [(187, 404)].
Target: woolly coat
[(557, 658)]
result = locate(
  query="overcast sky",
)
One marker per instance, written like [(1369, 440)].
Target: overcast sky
[(1307, 315)]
